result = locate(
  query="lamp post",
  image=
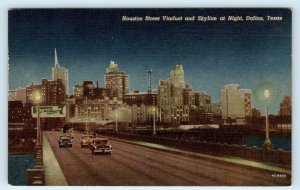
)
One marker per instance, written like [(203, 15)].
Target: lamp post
[(86, 114), (37, 98), (37, 171), (154, 127), (116, 121), (267, 144)]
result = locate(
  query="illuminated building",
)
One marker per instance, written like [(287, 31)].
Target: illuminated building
[(116, 82), (59, 72), (235, 102)]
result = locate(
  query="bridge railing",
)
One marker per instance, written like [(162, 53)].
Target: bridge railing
[(281, 157), (35, 175)]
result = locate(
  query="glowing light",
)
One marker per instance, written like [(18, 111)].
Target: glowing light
[(267, 93), (153, 109), (37, 96), (259, 92)]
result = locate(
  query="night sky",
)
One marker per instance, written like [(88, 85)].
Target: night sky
[(213, 54)]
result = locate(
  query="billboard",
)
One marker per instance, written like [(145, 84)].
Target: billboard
[(49, 111)]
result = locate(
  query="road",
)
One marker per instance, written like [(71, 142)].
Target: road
[(135, 165)]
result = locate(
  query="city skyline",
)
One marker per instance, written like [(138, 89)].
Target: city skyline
[(94, 93), (211, 57)]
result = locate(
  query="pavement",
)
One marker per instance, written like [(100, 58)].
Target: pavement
[(52, 170), (139, 163)]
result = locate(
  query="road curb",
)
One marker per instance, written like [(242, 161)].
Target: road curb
[(233, 160), (53, 172)]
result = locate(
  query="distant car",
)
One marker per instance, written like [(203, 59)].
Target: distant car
[(57, 129), (65, 141), (101, 145), (71, 130), (90, 133), (70, 134), (86, 140)]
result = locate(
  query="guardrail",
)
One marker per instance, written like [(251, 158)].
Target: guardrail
[(251, 153)]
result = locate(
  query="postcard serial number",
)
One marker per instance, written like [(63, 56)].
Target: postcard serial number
[(279, 175)]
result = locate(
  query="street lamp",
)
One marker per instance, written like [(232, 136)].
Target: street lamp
[(267, 144), (37, 97), (116, 121), (154, 127), (86, 114)]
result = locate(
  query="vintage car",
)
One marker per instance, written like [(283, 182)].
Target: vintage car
[(86, 140), (57, 129), (70, 134), (90, 133), (71, 130), (65, 141), (100, 145)]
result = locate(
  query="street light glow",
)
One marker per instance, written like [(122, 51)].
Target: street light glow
[(267, 93), (267, 144), (37, 96)]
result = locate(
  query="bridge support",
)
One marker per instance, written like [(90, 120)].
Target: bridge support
[(35, 175)]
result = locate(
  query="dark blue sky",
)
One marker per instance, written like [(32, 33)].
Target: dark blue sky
[(212, 53)]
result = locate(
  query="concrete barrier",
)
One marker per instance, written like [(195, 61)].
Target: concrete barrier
[(35, 175), (251, 153)]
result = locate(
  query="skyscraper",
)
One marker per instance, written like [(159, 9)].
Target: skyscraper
[(116, 82), (170, 98), (12, 96), (52, 92), (177, 80), (78, 91), (286, 107), (235, 102), (177, 76), (164, 100), (59, 72)]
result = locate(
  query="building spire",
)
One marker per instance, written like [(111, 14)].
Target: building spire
[(55, 59), (149, 73), (177, 52)]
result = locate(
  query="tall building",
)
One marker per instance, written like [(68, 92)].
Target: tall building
[(286, 107), (12, 96), (202, 99), (19, 113), (36, 87), (59, 72), (177, 80), (170, 98), (195, 99), (177, 76), (78, 91), (214, 108), (101, 110), (116, 82), (53, 92), (140, 98), (256, 113), (235, 102), (188, 96), (21, 95), (88, 90)]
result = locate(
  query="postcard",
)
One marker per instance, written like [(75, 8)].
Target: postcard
[(150, 97)]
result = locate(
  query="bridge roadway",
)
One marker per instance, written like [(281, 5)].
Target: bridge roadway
[(135, 165)]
